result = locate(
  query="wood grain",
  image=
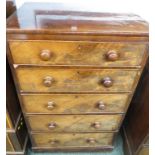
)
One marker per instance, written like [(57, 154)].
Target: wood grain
[(78, 42), (144, 151), (9, 145), (77, 53), (9, 124), (71, 140), (74, 103), (74, 80), (74, 123)]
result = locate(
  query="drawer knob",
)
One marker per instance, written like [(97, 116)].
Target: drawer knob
[(112, 55), (91, 140), (107, 82), (101, 105), (50, 105), (96, 125), (52, 125), (45, 55), (48, 81)]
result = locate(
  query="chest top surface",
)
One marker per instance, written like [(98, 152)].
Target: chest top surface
[(54, 18)]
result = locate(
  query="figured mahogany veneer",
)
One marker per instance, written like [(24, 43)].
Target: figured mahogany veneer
[(74, 123), (41, 79), (105, 54), (75, 72), (74, 103), (64, 140)]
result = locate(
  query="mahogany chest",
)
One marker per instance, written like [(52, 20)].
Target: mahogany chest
[(75, 73)]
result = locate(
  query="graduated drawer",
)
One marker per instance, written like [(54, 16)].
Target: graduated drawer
[(72, 140), (48, 79), (107, 54), (74, 103), (74, 123)]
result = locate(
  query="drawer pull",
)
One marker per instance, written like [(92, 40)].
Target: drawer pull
[(48, 81), (101, 105), (52, 125), (107, 82), (50, 105), (112, 55), (45, 55), (53, 142), (91, 140), (96, 125)]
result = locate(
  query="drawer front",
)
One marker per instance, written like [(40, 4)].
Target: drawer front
[(74, 123), (77, 53), (72, 140), (47, 79), (75, 103)]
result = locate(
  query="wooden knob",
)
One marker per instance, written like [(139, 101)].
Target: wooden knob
[(107, 82), (50, 105), (101, 105), (96, 125), (52, 125), (112, 55), (45, 55), (53, 142), (48, 81), (91, 140)]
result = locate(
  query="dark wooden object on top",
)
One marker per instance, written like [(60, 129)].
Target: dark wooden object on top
[(10, 7)]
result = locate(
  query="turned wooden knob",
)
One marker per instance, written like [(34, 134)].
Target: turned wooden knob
[(96, 125), (107, 82), (91, 140), (52, 125), (50, 105), (112, 55), (45, 55), (53, 142), (101, 105), (48, 81)]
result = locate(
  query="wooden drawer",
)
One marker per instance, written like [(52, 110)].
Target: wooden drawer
[(77, 53), (72, 140), (48, 79), (75, 103), (74, 123)]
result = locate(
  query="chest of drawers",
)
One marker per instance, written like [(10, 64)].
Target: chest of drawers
[(75, 73)]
